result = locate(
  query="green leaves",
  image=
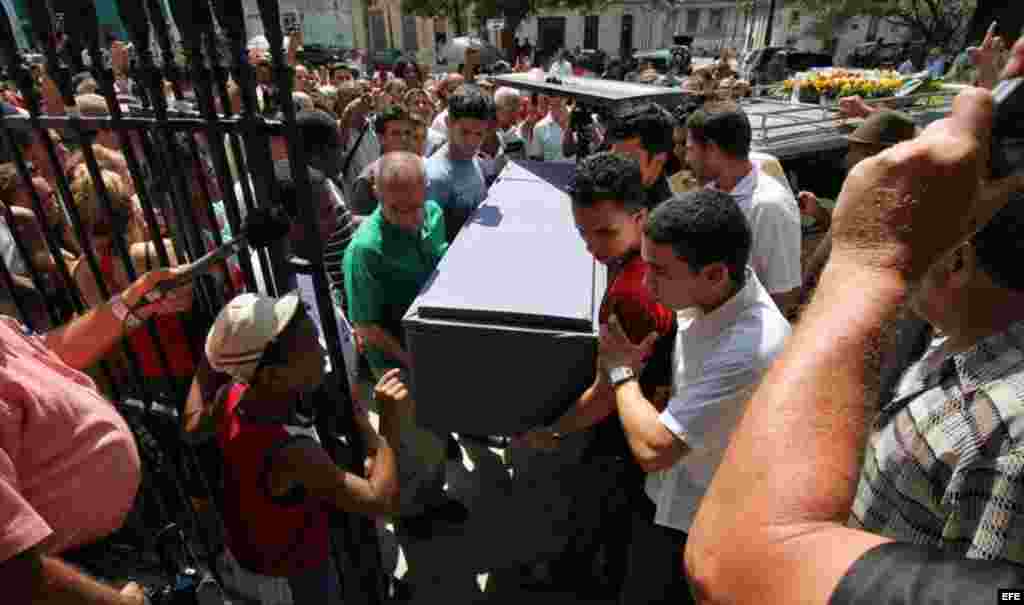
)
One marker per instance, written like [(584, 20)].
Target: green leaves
[(942, 23)]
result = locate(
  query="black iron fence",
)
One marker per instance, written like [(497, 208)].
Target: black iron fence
[(177, 120)]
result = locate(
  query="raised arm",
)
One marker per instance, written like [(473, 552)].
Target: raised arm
[(87, 338), (785, 486)]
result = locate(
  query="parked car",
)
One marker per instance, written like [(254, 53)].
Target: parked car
[(664, 58), (595, 61), (316, 55), (757, 65), (871, 55)]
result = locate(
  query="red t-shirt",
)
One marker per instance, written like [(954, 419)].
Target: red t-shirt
[(266, 535), (639, 314)]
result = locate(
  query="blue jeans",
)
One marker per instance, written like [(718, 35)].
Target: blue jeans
[(316, 586)]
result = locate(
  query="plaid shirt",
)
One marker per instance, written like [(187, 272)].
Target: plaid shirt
[(944, 464)]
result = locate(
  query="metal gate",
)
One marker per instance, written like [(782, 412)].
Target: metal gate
[(160, 134)]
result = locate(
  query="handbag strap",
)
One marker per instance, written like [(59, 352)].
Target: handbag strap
[(352, 152)]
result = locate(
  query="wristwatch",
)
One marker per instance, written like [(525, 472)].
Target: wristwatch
[(124, 314), (620, 375)]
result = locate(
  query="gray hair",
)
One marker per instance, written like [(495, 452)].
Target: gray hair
[(506, 97)]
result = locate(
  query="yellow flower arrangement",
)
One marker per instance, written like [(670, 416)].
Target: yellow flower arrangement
[(842, 82)]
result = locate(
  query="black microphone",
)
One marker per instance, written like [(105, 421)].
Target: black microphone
[(263, 226)]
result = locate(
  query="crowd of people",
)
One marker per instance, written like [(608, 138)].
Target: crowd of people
[(780, 427)]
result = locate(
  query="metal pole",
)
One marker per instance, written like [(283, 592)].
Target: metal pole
[(768, 25), (361, 560)]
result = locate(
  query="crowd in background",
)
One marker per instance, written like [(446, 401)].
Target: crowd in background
[(709, 272)]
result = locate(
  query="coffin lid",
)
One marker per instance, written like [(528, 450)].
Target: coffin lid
[(519, 261)]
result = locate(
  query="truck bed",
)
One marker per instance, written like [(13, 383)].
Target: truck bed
[(792, 130)]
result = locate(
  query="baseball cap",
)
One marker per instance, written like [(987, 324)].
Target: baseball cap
[(884, 128), (243, 330)]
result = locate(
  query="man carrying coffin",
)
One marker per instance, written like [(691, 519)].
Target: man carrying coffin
[(609, 207), (696, 248), (393, 253)]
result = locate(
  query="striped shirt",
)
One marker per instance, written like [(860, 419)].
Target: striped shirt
[(335, 246), (944, 464)]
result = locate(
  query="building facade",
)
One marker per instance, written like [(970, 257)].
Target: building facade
[(617, 29), (323, 22), (387, 28)]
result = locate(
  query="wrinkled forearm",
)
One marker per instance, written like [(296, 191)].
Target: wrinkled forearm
[(789, 475)]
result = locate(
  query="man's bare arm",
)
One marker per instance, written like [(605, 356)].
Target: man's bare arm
[(786, 483), (382, 340), (653, 445)]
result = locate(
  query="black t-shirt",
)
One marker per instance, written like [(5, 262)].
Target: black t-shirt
[(899, 573)]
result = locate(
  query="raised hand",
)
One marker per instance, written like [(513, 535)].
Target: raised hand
[(905, 207)]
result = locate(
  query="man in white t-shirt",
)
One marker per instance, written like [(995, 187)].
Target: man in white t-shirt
[(696, 247), (718, 151), (546, 143)]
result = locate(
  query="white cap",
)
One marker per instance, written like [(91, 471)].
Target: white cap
[(244, 328)]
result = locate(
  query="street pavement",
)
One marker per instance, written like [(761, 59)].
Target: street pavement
[(519, 504)]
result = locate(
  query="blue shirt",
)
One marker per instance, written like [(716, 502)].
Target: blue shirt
[(458, 186)]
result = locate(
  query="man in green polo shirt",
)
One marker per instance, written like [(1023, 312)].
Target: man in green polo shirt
[(388, 261)]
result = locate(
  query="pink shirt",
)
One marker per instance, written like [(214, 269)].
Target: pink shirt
[(69, 469)]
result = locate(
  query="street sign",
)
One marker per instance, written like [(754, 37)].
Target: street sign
[(495, 25)]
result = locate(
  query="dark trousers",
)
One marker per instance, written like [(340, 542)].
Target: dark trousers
[(602, 520), (654, 569)]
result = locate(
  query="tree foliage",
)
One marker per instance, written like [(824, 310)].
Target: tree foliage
[(940, 23)]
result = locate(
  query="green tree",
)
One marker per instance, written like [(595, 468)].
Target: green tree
[(940, 23)]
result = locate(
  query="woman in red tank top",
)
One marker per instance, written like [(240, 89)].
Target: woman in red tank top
[(102, 227)]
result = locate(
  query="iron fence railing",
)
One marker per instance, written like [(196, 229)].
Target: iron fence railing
[(162, 138)]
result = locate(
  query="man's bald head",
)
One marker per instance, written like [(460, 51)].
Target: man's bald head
[(454, 80), (401, 186), (400, 167)]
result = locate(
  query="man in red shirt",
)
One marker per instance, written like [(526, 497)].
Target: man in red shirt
[(609, 205)]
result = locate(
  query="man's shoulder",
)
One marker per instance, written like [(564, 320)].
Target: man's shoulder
[(367, 237), (757, 333), (438, 165), (772, 198), (770, 190)]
